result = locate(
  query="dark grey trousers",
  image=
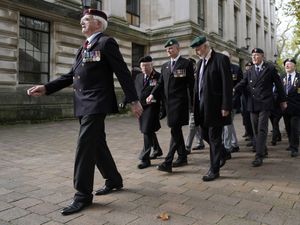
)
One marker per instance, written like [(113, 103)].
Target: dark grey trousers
[(92, 150), (259, 121)]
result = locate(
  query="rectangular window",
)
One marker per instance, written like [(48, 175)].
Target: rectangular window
[(235, 24), (34, 50), (220, 17), (201, 15), (133, 12), (138, 51)]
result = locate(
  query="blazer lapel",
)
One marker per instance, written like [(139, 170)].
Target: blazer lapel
[(94, 41), (78, 58)]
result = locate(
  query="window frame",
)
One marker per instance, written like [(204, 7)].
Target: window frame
[(37, 32), (134, 13)]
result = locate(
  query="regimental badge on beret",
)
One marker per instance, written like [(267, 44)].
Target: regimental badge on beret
[(257, 50), (198, 41), (147, 58), (171, 42), (289, 60), (94, 12)]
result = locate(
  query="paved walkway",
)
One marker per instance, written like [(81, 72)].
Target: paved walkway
[(36, 167)]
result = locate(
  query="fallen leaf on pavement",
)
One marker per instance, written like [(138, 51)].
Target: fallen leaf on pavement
[(163, 216)]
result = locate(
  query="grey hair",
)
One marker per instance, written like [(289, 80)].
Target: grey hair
[(102, 21), (207, 44)]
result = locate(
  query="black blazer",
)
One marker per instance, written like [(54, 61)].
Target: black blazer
[(237, 76), (149, 121), (216, 91), (260, 88), (177, 85), (293, 96), (93, 79)]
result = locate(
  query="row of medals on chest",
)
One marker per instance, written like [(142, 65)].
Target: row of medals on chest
[(91, 56)]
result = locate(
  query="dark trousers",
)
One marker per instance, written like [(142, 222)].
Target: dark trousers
[(176, 144), (259, 121), (292, 126), (150, 140), (92, 150), (213, 136), (275, 119)]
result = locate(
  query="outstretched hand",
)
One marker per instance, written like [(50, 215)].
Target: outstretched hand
[(37, 90)]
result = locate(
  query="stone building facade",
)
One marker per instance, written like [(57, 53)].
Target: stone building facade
[(39, 38)]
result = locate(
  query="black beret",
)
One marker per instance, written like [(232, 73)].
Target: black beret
[(171, 42), (289, 60), (249, 63), (147, 58), (257, 50), (198, 41), (94, 12)]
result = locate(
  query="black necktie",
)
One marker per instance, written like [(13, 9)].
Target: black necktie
[(172, 65), (145, 80), (289, 83), (257, 71), (201, 77)]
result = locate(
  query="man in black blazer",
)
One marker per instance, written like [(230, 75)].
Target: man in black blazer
[(291, 116), (94, 97), (149, 120), (212, 100), (259, 81), (176, 82)]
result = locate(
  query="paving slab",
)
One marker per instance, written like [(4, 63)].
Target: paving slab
[(36, 170)]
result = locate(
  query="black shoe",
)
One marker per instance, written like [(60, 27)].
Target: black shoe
[(235, 149), (245, 135), (294, 154), (273, 143), (222, 162), (210, 176), (154, 155), (198, 147), (144, 164), (228, 155), (74, 207), (257, 162), (288, 149), (187, 151), (179, 163), (249, 144), (278, 138), (165, 168), (106, 189)]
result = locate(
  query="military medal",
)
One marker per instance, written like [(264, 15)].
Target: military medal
[(98, 56), (234, 76)]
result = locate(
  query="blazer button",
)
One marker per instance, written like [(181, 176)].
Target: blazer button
[(78, 77), (74, 89), (79, 90)]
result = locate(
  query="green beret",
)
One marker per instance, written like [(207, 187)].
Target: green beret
[(198, 41), (171, 42)]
